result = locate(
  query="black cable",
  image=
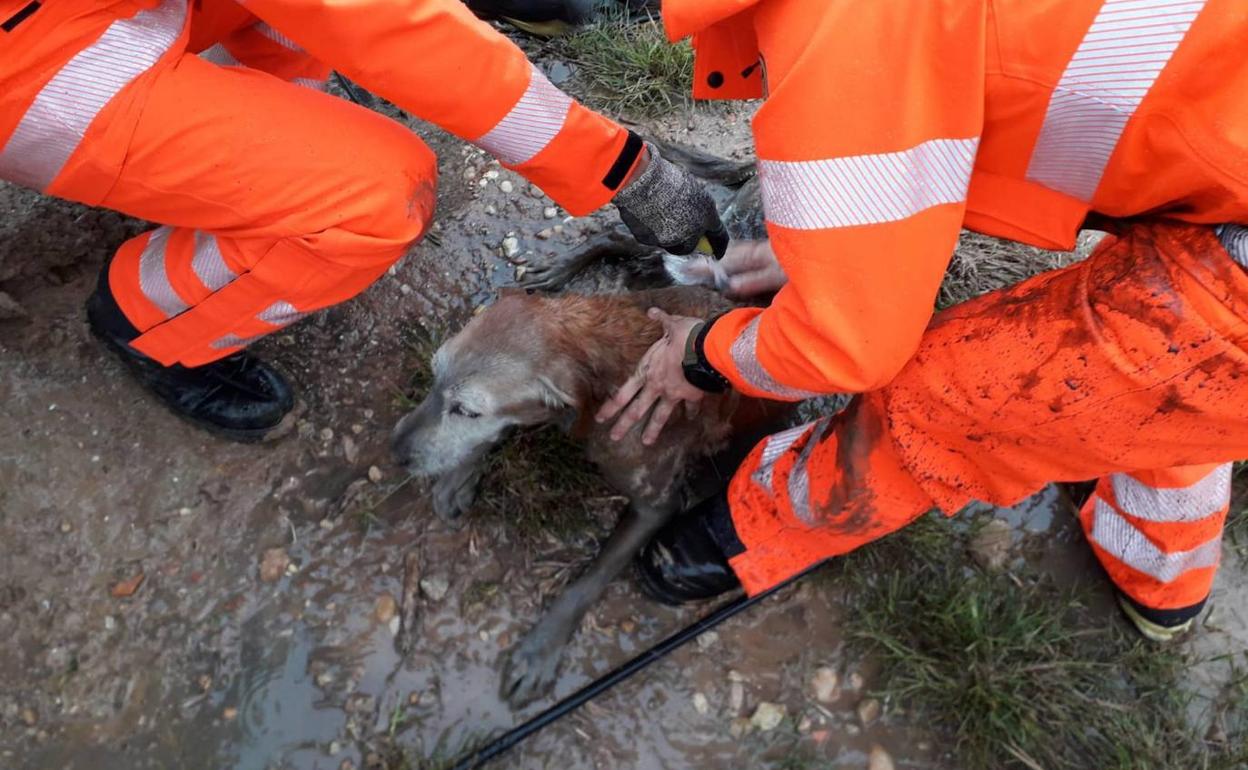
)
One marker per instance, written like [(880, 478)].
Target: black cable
[(512, 737)]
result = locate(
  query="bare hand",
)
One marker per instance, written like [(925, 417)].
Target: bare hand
[(659, 382), (752, 270)]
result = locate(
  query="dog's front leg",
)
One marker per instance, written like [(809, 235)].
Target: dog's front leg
[(455, 491), (532, 664)]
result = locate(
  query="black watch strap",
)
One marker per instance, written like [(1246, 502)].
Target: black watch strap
[(698, 370)]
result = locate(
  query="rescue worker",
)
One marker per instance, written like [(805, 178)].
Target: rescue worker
[(277, 200), (889, 126)]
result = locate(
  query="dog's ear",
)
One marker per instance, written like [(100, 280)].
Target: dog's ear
[(564, 393)]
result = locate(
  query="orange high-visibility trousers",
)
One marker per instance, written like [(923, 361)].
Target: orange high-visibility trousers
[(278, 200), (1131, 367)]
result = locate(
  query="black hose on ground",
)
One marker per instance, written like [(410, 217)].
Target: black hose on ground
[(514, 736)]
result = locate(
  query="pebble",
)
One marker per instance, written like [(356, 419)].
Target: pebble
[(490, 210), (30, 717), (868, 711), (350, 450), (736, 697), (395, 624), (357, 429), (66, 527), (767, 716), (506, 186), (990, 548), (628, 626), (739, 727), (374, 474), (368, 414), (544, 235), (550, 212), (879, 759), (826, 685), (385, 608), (804, 726), (205, 682), (435, 587), (324, 679), (708, 640), (491, 174), (327, 434), (334, 748), (511, 246), (701, 704), (856, 681), (273, 564), (110, 622), (735, 676), (327, 523), (229, 713)]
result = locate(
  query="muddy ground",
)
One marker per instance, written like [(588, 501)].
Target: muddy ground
[(208, 664)]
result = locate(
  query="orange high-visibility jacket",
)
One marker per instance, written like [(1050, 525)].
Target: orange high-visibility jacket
[(430, 57), (890, 125)]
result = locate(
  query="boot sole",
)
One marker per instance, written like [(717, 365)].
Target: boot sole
[(238, 435)]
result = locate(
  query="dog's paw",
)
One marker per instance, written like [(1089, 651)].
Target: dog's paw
[(453, 495), (552, 276), (531, 669)]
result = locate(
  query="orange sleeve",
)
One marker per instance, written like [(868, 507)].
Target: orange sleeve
[(436, 60), (865, 148)]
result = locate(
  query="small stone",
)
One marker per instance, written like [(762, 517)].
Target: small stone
[(628, 626), (110, 623), (826, 685), (511, 246), (856, 682), (405, 289), (204, 682), (506, 186), (550, 212), (735, 676), (30, 717), (767, 716), (490, 210), (368, 414), (374, 474), (324, 679), (852, 729), (413, 699), (736, 697), (326, 523), (229, 713), (1216, 732), (544, 235), (739, 727), (990, 548), (327, 434), (334, 748), (349, 450), (273, 564), (292, 569), (385, 608), (804, 726), (879, 759), (491, 174), (708, 640), (128, 587), (701, 704), (435, 587), (395, 624), (66, 527), (357, 429), (868, 711)]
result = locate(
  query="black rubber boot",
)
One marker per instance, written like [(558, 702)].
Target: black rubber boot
[(687, 561), (238, 397)]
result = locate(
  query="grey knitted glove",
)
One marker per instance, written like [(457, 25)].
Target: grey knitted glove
[(668, 208)]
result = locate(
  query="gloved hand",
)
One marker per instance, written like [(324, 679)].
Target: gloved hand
[(665, 206)]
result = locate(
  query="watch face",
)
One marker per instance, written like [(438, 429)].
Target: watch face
[(702, 379)]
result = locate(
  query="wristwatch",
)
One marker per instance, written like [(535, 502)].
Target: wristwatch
[(698, 371)]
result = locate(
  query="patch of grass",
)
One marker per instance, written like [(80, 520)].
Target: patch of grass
[(1236, 536), (982, 264), (1018, 672), (628, 66)]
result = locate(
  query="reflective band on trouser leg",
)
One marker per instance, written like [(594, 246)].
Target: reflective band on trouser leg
[(1235, 240), (817, 491), (531, 125), (1120, 58), (162, 273), (65, 107), (1159, 533)]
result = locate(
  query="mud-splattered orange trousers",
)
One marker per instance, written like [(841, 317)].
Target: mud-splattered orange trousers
[(1130, 367), (276, 199)]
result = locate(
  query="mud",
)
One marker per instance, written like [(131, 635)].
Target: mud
[(207, 666)]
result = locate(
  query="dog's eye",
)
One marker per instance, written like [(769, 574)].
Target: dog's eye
[(463, 411)]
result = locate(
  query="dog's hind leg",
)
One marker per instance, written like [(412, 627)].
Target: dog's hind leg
[(533, 663), (561, 269)]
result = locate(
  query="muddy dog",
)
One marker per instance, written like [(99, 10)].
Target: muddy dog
[(532, 360)]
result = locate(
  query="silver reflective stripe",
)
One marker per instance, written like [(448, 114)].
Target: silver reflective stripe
[(744, 354), (313, 83), (1130, 546), (531, 125), (799, 479), (277, 37), (866, 189), (279, 314), (154, 277), (208, 264), (220, 56), (1199, 501), (58, 118), (1235, 239), (774, 448), (1126, 48)]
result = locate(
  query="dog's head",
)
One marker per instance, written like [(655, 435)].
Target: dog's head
[(498, 373)]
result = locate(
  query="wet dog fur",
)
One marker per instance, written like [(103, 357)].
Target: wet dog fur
[(535, 359)]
